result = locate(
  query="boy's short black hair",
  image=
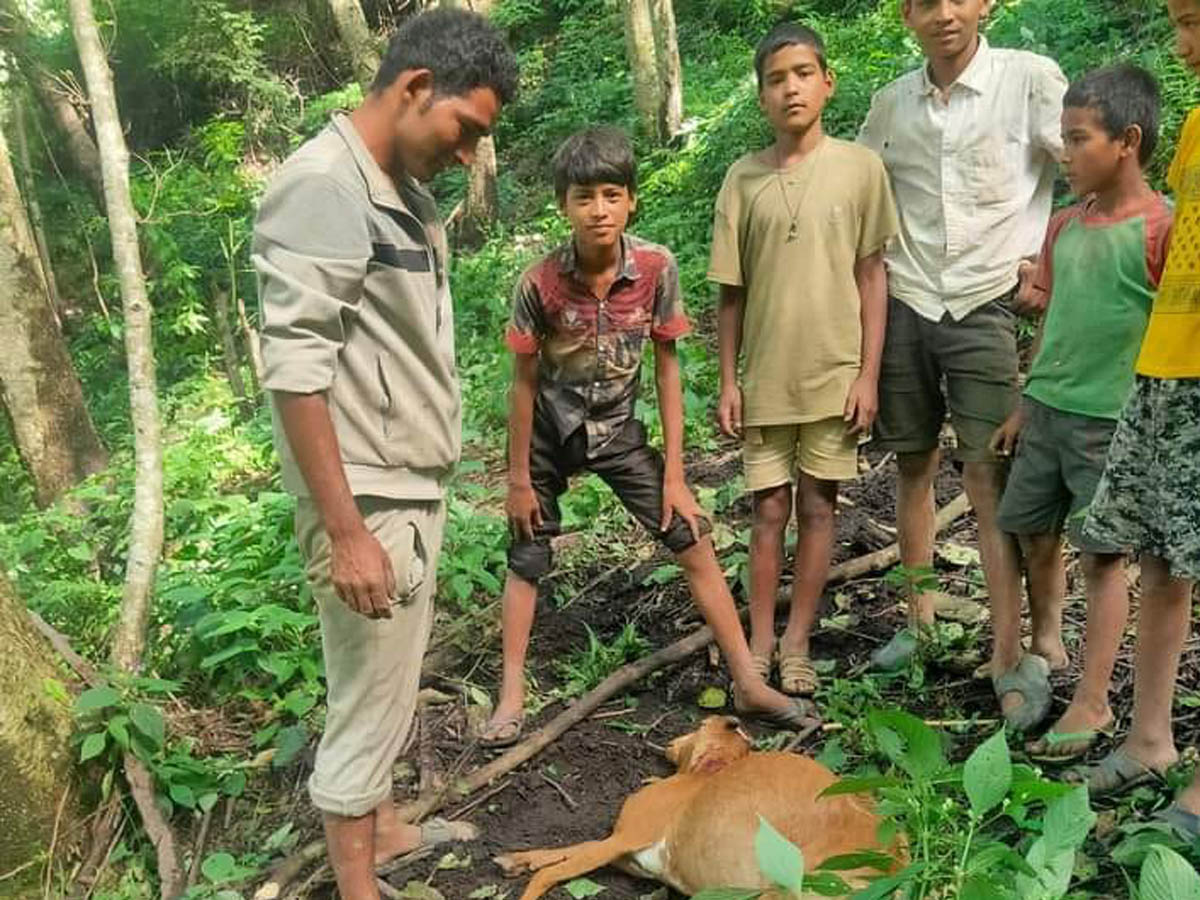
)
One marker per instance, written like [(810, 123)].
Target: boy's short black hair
[(787, 34), (1123, 95), (602, 155), (462, 49)]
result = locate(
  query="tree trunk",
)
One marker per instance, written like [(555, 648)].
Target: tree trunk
[(670, 72), (36, 223), (41, 392), (35, 745), (643, 64), (229, 353), (482, 208), (352, 29), (146, 529)]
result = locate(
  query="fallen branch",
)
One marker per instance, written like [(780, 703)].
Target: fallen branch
[(198, 853), (84, 669), (614, 684), (141, 787)]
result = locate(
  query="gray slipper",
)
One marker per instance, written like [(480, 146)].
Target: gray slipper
[(447, 831), (896, 653), (1030, 679), (1115, 774), (1184, 821)]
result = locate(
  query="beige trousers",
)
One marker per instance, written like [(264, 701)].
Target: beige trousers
[(372, 666)]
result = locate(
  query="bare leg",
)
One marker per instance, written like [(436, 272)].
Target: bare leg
[(816, 501), (1047, 594), (1164, 619), (393, 837), (1001, 569), (519, 603), (350, 843), (712, 598), (915, 521), (772, 510)]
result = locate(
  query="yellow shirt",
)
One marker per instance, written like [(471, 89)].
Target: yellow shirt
[(791, 238), (1171, 348)]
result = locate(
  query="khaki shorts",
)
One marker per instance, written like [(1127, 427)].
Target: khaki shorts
[(372, 666), (772, 454), (975, 359)]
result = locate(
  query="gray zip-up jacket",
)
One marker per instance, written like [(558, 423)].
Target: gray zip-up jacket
[(355, 304)]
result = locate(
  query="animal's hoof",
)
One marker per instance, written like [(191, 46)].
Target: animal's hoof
[(510, 865)]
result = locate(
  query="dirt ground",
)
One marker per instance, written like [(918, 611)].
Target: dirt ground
[(572, 791)]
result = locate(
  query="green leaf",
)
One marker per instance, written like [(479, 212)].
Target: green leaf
[(864, 859), (288, 744), (56, 690), (727, 894), (218, 867), (1052, 871), (908, 742), (1068, 820), (93, 746), (207, 801), (780, 861), (987, 775), (182, 795), (864, 785), (97, 698), (233, 784), (882, 888), (711, 698), (583, 887), (149, 723), (118, 727), (826, 884), (242, 646), (1167, 876)]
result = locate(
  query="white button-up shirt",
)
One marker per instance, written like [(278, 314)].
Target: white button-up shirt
[(973, 173)]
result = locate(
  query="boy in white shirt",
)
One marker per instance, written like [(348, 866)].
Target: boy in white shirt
[(971, 142)]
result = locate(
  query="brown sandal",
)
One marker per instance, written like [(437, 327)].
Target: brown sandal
[(761, 665), (797, 675)]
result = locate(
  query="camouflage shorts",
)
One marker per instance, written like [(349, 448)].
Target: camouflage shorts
[(1149, 496)]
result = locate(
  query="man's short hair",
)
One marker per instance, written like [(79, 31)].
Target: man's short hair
[(602, 155), (1122, 95), (462, 49), (787, 34)]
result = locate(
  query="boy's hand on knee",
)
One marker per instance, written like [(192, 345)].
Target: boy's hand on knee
[(1004, 439), (1028, 301), (523, 510), (362, 574), (678, 498), (729, 410)]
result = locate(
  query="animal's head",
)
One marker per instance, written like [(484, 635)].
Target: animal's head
[(718, 741)]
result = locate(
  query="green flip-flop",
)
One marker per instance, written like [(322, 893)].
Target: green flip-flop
[(1030, 679), (1059, 747)]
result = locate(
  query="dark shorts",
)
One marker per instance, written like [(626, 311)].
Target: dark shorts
[(1149, 497), (977, 361), (1060, 458), (630, 466)]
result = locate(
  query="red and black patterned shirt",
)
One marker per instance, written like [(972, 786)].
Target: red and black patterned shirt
[(590, 349)]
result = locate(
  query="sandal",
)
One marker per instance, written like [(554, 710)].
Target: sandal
[(896, 653), (447, 831), (1184, 821), (1115, 774), (761, 666), (1030, 679), (502, 733), (1057, 747), (797, 675), (796, 716)]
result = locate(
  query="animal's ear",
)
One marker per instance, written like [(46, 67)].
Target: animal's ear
[(679, 751)]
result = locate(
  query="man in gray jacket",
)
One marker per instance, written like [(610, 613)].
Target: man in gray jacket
[(358, 346)]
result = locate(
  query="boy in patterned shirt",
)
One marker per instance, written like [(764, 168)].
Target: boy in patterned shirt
[(1149, 497), (1096, 276), (580, 320)]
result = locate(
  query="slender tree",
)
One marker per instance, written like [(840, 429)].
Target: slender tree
[(643, 63), (40, 389), (352, 29), (670, 71)]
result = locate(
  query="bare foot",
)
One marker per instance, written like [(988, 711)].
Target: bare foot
[(1052, 651), (393, 838), (1157, 758), (759, 696)]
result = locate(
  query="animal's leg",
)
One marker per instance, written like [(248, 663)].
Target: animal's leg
[(583, 858), (531, 860)]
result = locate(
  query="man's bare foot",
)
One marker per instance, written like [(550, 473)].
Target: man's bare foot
[(1052, 651), (1156, 757), (395, 840), (759, 696)]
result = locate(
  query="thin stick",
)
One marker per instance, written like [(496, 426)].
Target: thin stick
[(562, 791), (19, 869), (54, 841), (198, 853)]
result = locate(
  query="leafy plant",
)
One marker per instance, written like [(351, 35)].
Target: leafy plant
[(586, 668)]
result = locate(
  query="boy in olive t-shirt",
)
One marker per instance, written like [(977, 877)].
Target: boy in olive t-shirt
[(798, 241)]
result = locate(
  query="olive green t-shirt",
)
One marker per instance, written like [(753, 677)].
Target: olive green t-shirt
[(792, 237)]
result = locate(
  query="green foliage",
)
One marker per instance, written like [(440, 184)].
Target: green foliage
[(587, 667)]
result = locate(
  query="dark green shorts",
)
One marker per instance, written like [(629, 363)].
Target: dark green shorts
[(976, 359), (1060, 459)]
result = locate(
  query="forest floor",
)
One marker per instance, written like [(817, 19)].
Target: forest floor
[(573, 789)]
